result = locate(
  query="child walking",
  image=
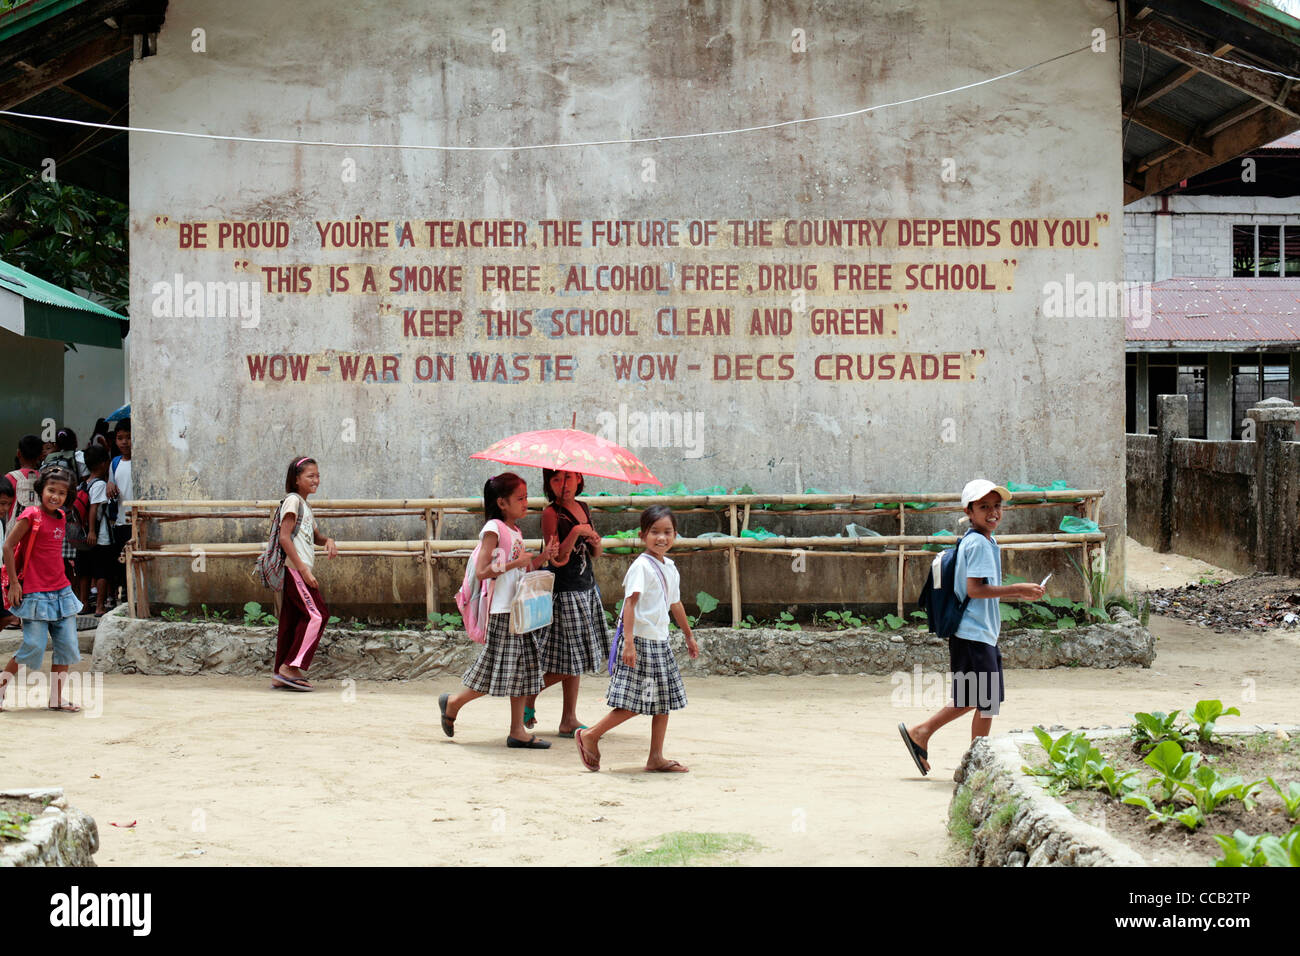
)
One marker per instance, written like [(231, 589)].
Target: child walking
[(39, 590), (508, 665), (302, 611), (646, 679), (973, 653), (577, 641)]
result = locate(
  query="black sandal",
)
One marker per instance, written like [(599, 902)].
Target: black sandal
[(918, 753), (448, 723), (534, 743)]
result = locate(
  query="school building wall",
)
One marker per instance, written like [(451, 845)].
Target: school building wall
[(1024, 394)]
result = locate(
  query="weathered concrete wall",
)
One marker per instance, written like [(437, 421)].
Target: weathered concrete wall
[(135, 646), (1143, 488), (1214, 507), (33, 389), (1043, 398)]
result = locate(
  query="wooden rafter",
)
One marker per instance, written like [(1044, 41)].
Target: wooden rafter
[(1196, 53), (52, 73)]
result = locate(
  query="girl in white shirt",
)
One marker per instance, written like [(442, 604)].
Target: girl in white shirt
[(646, 679)]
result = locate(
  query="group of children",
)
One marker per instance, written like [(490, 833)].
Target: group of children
[(645, 678), (60, 524), (97, 528)]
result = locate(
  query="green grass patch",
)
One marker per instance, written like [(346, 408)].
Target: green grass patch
[(685, 848), (959, 822)]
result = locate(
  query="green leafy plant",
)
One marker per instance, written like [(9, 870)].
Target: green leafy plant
[(1173, 766), (173, 614), (1290, 798), (451, 621), (255, 617), (1190, 817), (1206, 579), (785, 622), (748, 623), (213, 614), (1073, 763), (894, 622), (843, 620), (1113, 782), (1208, 791), (921, 616), (13, 824), (706, 602), (1147, 730), (1240, 849), (1205, 714), (333, 620)]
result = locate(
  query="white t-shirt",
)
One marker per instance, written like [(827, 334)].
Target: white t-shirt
[(99, 496), (503, 590), (304, 532), (122, 478), (651, 622)]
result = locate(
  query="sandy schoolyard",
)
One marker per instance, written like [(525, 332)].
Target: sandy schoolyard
[(225, 771)]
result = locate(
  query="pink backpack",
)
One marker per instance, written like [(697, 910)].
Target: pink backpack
[(474, 599)]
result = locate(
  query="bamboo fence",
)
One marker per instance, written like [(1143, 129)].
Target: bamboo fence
[(738, 509)]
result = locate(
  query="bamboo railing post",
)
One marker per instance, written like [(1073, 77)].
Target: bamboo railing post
[(734, 562), (430, 596), (744, 525), (129, 557), (140, 606), (902, 522)]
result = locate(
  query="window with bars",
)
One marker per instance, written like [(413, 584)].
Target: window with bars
[(1270, 252), (1255, 378)]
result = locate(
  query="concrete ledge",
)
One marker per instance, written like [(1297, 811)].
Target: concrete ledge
[(61, 836), (1016, 822), (129, 646)]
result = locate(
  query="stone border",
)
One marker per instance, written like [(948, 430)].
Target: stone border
[(1016, 822), (129, 646), (61, 836)]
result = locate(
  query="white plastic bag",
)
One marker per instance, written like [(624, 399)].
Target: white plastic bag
[(533, 605)]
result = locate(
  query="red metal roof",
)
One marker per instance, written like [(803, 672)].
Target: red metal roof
[(1290, 141), (1221, 310)]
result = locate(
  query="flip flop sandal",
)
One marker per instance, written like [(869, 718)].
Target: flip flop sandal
[(530, 717), (671, 766), (67, 708), (292, 683), (591, 764), (448, 724), (918, 753), (533, 743), (568, 734)]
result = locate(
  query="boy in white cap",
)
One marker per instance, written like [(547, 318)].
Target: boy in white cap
[(973, 652)]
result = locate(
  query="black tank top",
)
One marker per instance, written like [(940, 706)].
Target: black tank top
[(577, 573)]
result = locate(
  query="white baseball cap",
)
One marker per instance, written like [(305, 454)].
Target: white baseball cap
[(977, 489)]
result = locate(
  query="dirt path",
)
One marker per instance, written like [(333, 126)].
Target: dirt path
[(812, 768)]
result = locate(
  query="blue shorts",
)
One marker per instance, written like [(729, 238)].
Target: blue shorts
[(45, 615)]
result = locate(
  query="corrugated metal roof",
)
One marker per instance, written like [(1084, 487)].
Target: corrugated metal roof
[(1222, 310), (13, 279), (1286, 142)]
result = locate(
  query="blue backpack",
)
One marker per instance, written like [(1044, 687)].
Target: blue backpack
[(943, 612)]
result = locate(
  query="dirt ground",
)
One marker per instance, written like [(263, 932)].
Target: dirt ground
[(224, 771)]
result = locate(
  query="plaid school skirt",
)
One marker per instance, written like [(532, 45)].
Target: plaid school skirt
[(654, 686), (577, 642), (508, 664)]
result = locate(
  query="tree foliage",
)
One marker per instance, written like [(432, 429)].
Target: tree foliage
[(64, 234)]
